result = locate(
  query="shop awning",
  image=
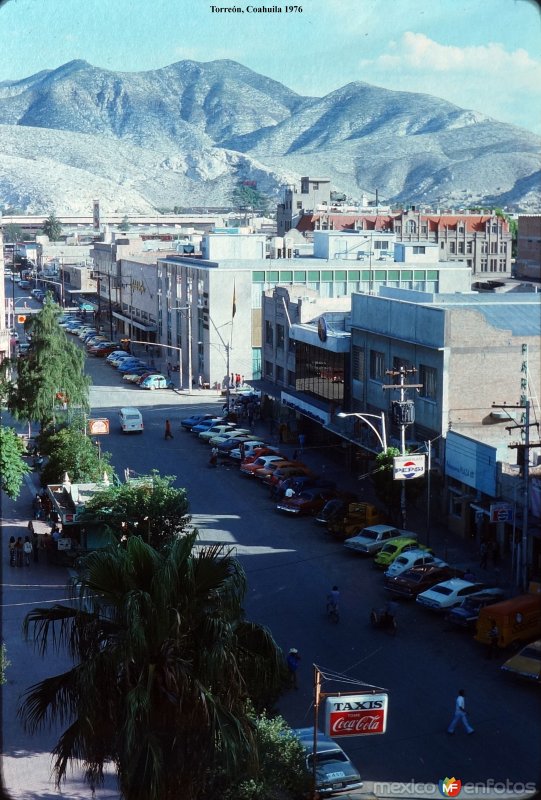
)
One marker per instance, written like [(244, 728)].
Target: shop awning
[(141, 325)]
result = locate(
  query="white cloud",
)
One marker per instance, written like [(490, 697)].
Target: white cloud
[(504, 84)]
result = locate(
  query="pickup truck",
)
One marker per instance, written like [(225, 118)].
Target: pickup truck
[(357, 516)]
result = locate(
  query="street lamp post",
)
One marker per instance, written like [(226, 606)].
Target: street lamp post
[(189, 337), (168, 347), (382, 437)]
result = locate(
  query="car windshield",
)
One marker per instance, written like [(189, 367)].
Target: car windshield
[(369, 535), (442, 590), (389, 548), (414, 577)]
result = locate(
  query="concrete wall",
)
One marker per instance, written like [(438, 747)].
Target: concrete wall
[(216, 246)]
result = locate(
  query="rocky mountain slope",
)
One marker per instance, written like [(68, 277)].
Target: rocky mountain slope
[(188, 133)]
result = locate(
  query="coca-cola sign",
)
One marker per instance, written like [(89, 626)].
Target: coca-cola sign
[(356, 715)]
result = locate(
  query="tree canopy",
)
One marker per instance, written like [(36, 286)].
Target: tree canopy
[(52, 375), (52, 227), (149, 507), (164, 670), (387, 489), (246, 197), (71, 450), (13, 468)]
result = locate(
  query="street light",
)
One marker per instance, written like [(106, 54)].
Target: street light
[(189, 337), (382, 437), (168, 347)]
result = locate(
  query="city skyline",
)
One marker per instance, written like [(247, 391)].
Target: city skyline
[(479, 57)]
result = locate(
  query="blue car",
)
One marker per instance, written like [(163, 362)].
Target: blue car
[(206, 424), (195, 419), (156, 382), (128, 364)]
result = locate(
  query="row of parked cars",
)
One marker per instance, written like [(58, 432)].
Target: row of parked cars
[(132, 369)]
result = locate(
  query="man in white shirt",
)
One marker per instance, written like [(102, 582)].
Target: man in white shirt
[(460, 715)]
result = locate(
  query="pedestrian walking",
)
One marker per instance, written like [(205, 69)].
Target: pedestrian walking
[(168, 434), (484, 555), (12, 556), (35, 546), (200, 382), (293, 659), (19, 551), (27, 550), (213, 460), (460, 715), (493, 639), (37, 507)]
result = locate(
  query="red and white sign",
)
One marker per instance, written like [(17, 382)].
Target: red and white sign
[(407, 467), (356, 715)]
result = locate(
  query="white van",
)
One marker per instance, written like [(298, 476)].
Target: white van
[(131, 420)]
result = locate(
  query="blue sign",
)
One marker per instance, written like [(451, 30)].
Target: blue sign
[(471, 462)]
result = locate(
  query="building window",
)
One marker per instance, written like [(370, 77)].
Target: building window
[(291, 345), (299, 203), (398, 228), (503, 247), (442, 245), (419, 250), (503, 265), (424, 230), (279, 374), (291, 378), (494, 247), (411, 226), (469, 247), (315, 185), (279, 337), (401, 363), (269, 333), (268, 370), (461, 247), (484, 266), (428, 376), (377, 365), (452, 247), (484, 247), (357, 369), (493, 264), (380, 244)]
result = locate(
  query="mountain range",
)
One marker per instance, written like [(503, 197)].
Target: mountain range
[(187, 134)]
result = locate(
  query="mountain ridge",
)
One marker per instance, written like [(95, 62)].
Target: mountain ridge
[(199, 128)]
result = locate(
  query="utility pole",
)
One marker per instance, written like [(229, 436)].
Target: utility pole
[(404, 415)]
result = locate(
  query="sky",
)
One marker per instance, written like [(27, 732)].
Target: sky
[(478, 54)]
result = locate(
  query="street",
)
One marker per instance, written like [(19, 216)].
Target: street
[(291, 565)]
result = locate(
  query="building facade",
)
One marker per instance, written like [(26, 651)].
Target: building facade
[(528, 261)]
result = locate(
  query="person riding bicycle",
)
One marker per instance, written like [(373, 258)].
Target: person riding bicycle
[(333, 599)]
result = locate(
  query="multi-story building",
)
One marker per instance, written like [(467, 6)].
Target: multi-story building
[(528, 260), (4, 305), (482, 241)]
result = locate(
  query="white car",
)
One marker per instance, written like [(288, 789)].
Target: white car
[(412, 558), (259, 463), (447, 594), (216, 430), (224, 437), (249, 448), (370, 540)]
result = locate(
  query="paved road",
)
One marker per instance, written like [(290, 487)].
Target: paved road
[(291, 564)]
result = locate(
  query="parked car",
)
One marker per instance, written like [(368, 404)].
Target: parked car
[(138, 374), (310, 501), (250, 446), (24, 284), (216, 441), (333, 509), (269, 468), (467, 613), (416, 557), (115, 355), (231, 448), (356, 517), (126, 365), (259, 452), (390, 551), (282, 473), (413, 581), (194, 419), (447, 594), (205, 424), (261, 462), (526, 663), (372, 538), (216, 430), (334, 771), (301, 482), (156, 382), (103, 349)]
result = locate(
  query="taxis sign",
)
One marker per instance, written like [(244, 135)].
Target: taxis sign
[(360, 714)]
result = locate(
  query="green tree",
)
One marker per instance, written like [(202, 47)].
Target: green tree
[(13, 233), (52, 227), (71, 450), (246, 197), (164, 664), (53, 373), (387, 489), (125, 224), (13, 468), (281, 765), (149, 507)]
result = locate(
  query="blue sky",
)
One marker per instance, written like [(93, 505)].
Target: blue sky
[(476, 54)]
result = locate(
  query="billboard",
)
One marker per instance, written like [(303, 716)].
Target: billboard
[(360, 714)]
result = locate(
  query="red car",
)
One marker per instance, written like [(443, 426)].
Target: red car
[(310, 501), (290, 471)]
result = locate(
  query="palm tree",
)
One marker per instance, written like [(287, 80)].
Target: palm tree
[(165, 668)]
